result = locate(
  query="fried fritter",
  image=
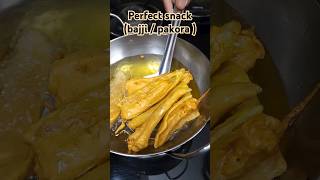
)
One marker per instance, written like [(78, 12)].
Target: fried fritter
[(235, 121), (146, 97), (180, 113), (245, 143), (229, 73), (222, 43), (140, 138), (71, 153), (134, 84), (230, 43), (224, 98), (268, 169), (24, 80), (76, 75), (74, 116), (139, 120), (245, 147), (77, 136)]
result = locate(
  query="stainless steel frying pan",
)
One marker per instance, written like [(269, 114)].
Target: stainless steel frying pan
[(190, 57)]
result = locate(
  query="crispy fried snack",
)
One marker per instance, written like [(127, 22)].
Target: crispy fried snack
[(139, 120), (222, 41), (134, 84), (268, 169), (74, 116), (71, 153), (245, 144), (248, 50), (229, 73), (180, 113), (76, 75), (77, 135), (230, 43), (235, 121), (224, 98), (114, 113), (140, 138), (144, 98), (23, 81), (245, 147)]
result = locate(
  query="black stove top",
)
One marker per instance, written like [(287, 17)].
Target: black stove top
[(166, 167)]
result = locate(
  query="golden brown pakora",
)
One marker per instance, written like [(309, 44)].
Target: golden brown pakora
[(229, 73), (23, 81), (178, 115), (244, 141), (74, 116), (241, 150), (224, 98), (71, 153), (231, 43), (77, 136), (144, 98), (76, 75), (140, 138)]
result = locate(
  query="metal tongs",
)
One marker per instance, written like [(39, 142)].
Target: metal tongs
[(166, 61)]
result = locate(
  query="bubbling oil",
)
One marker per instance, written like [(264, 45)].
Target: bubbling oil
[(147, 64), (137, 66)]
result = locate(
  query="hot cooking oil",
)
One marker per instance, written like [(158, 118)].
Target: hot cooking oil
[(143, 65)]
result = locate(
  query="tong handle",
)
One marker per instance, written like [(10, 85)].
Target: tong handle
[(166, 62)]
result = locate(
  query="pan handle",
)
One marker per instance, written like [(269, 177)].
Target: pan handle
[(117, 17), (122, 24), (189, 155)]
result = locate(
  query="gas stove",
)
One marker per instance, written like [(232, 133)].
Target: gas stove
[(165, 167)]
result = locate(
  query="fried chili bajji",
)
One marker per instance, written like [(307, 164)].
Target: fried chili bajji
[(234, 121), (139, 120), (76, 75), (135, 84), (224, 98), (146, 97), (229, 73), (246, 147), (179, 114), (140, 138), (231, 43), (71, 153)]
